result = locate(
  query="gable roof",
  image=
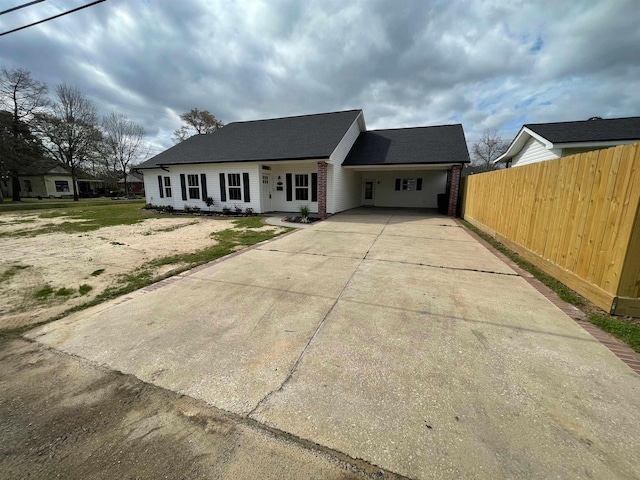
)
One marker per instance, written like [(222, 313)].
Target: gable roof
[(553, 135), (43, 166), (289, 138), (600, 130), (403, 146)]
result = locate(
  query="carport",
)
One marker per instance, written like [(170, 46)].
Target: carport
[(410, 167)]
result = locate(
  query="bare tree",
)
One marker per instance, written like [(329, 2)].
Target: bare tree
[(197, 122), (489, 147), (70, 130), (122, 144), (22, 97)]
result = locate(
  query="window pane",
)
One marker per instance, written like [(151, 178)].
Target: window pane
[(234, 179), (302, 194), (62, 186), (235, 194), (408, 184), (194, 192), (167, 192), (302, 180), (167, 181)]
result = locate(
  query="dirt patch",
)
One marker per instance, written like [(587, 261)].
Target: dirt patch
[(35, 269), (63, 418)]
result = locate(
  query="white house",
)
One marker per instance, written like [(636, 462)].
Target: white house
[(537, 142), (327, 161)]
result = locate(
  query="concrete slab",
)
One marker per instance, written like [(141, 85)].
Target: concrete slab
[(428, 230), (316, 242), (445, 292), (291, 272), (429, 371), (229, 345), (436, 252), (440, 397), (363, 223)]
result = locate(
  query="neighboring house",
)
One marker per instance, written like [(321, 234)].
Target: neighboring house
[(537, 142), (327, 161), (50, 178), (135, 183)]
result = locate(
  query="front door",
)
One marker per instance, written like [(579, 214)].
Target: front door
[(368, 192), (265, 193)]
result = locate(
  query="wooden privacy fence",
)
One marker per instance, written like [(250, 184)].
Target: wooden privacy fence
[(577, 218)]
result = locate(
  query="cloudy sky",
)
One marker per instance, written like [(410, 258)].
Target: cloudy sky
[(488, 64)]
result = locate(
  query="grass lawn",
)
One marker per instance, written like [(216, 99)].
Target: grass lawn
[(626, 329)]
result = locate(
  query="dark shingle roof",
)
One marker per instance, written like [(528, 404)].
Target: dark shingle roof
[(600, 130), (420, 145), (308, 136)]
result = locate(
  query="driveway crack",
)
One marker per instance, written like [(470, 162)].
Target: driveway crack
[(318, 328)]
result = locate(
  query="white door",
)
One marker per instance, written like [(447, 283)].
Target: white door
[(265, 193), (368, 191)]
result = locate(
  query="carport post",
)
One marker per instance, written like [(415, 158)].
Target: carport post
[(453, 190), (322, 189)]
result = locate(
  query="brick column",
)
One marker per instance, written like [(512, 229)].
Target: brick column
[(453, 190), (322, 189)]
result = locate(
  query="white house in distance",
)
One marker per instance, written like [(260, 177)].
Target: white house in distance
[(537, 142), (327, 161)]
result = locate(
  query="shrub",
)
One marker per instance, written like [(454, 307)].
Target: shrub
[(226, 210), (238, 209), (84, 289), (248, 211), (304, 211), (209, 202)]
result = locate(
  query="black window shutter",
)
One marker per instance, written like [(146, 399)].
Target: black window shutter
[(419, 185), (314, 187), (289, 188), (203, 180), (245, 181), (183, 185), (223, 189), (397, 184), (160, 186)]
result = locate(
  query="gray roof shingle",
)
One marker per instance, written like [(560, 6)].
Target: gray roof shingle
[(599, 130), (419, 145), (307, 136)]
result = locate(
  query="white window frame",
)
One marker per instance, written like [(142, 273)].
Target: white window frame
[(193, 186), (302, 187), (234, 187)]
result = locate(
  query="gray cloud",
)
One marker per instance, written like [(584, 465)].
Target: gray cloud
[(487, 64)]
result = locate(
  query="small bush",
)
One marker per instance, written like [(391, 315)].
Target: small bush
[(64, 292), (209, 202), (43, 293), (238, 209), (304, 211), (84, 289), (226, 210), (248, 211)]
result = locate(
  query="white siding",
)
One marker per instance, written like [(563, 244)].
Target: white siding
[(151, 190), (212, 172), (279, 198), (532, 152), (344, 185), (433, 183)]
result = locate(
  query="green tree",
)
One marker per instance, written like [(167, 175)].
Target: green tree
[(23, 98), (197, 122), (70, 130)]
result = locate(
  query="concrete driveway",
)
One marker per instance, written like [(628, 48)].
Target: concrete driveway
[(392, 337)]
